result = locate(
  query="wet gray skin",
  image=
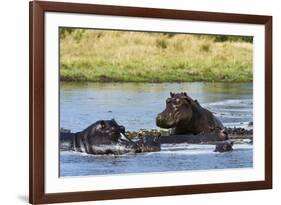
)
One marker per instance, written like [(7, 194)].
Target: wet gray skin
[(106, 137), (224, 147), (102, 137), (149, 143), (186, 116)]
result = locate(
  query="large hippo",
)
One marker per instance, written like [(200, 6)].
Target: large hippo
[(186, 116), (103, 137)]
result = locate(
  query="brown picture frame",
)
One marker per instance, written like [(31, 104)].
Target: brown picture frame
[(37, 193)]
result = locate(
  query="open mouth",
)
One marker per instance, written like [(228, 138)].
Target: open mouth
[(123, 138)]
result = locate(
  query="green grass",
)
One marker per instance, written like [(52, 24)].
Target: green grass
[(105, 56)]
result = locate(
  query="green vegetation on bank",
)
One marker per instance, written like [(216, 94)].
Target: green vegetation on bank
[(105, 56)]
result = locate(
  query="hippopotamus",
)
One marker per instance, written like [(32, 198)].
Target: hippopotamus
[(105, 137), (186, 116), (149, 143), (224, 147), (102, 137)]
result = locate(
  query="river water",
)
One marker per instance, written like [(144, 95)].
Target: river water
[(135, 106)]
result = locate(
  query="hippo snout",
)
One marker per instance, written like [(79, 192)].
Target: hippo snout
[(164, 121), (159, 120), (158, 117)]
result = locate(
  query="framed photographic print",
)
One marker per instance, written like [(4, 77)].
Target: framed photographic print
[(139, 102)]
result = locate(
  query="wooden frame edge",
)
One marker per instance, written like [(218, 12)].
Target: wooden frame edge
[(151, 12), (268, 102), (36, 104)]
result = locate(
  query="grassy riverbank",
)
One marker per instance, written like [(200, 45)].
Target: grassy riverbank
[(105, 56)]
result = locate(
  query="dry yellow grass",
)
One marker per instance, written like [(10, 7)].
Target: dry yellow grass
[(94, 55)]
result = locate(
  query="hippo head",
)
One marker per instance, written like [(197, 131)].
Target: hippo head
[(107, 131), (109, 137), (178, 109), (224, 147), (149, 144)]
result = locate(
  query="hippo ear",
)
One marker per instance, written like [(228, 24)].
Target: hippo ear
[(172, 94), (187, 99), (196, 101), (102, 123), (185, 94)]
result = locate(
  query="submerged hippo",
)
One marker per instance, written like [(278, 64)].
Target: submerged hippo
[(104, 137), (186, 116), (224, 147), (149, 143)]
